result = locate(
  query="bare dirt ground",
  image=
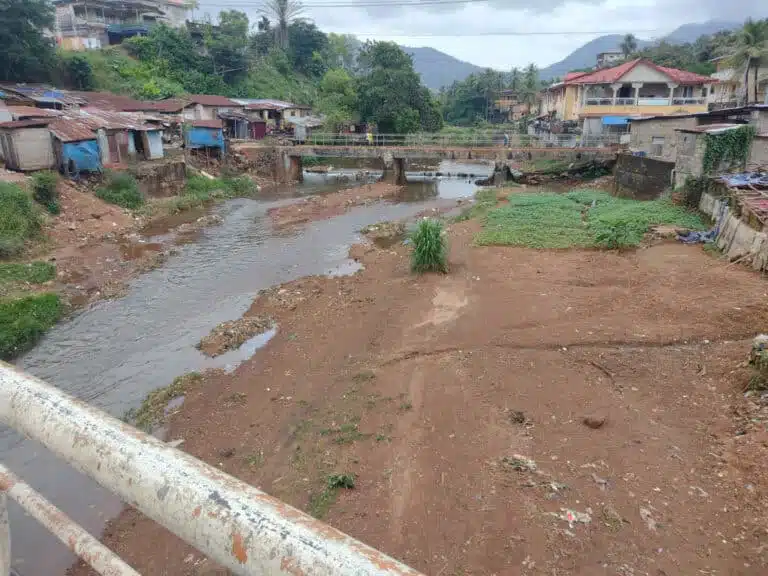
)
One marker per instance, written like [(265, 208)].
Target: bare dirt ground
[(439, 393)]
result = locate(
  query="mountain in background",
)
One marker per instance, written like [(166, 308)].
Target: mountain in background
[(586, 56), (437, 68)]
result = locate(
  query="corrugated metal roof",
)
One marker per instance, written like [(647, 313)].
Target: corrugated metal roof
[(269, 104), (171, 105), (108, 100), (71, 129), (610, 75), (711, 128), (114, 120), (204, 123), (25, 123), (210, 100), (20, 112)]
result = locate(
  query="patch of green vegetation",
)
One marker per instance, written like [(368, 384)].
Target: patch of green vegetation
[(363, 376), (348, 433), (121, 189), (200, 191), (255, 460), (485, 200), (152, 410), (44, 190), (406, 405), (320, 503), (581, 218), (19, 220), (430, 250), (30, 273), (23, 321)]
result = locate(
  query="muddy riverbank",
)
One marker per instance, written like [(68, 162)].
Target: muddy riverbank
[(458, 402), (115, 351)]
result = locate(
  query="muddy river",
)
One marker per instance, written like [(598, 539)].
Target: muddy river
[(115, 352)]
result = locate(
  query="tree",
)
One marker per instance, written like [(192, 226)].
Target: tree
[(514, 80), (750, 50), (27, 54), (80, 73), (227, 45), (282, 12), (342, 51), (628, 45), (338, 99), (390, 92), (530, 84), (307, 46)]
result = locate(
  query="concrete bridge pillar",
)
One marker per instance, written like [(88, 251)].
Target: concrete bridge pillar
[(289, 168), (394, 170)]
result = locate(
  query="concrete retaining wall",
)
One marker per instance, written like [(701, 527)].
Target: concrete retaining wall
[(641, 178), (736, 238), (160, 179)]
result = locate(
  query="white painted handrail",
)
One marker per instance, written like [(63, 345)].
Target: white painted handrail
[(231, 522)]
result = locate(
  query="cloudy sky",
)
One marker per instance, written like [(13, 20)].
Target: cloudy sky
[(478, 31)]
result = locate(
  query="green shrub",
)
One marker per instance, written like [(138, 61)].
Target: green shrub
[(23, 322), (121, 189), (19, 221), (44, 190), (429, 247), (33, 273)]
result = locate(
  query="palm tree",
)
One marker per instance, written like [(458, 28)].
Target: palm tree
[(514, 80), (750, 50), (283, 12), (628, 45)]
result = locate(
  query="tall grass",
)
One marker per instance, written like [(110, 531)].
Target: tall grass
[(200, 190), (582, 218), (430, 252), (23, 322), (19, 220), (44, 190), (121, 189)]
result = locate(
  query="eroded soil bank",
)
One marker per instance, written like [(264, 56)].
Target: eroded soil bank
[(429, 390)]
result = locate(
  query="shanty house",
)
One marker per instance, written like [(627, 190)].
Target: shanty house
[(124, 136), (204, 134), (75, 146), (193, 106), (26, 145), (273, 112)]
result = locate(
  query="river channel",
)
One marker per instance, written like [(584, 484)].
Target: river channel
[(115, 352)]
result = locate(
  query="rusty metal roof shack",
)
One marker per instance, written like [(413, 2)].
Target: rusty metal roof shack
[(75, 146)]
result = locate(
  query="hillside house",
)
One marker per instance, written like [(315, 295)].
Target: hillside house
[(273, 112), (603, 101), (26, 145), (729, 90), (204, 134), (609, 58), (192, 107), (92, 24), (123, 137)]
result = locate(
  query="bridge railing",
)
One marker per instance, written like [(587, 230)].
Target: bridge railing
[(234, 524), (460, 140)]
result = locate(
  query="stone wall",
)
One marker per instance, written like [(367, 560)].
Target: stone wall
[(758, 157), (642, 178), (737, 239), (690, 157), (259, 160), (642, 133), (158, 179)]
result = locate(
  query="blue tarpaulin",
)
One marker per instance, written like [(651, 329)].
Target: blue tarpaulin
[(615, 120), (203, 137), (757, 179), (82, 156)]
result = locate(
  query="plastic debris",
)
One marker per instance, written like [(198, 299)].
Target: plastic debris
[(647, 517), (520, 463), (601, 482), (574, 516), (694, 237)]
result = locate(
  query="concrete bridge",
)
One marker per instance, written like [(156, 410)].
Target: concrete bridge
[(285, 162)]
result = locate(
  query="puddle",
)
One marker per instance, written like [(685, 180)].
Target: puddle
[(113, 353)]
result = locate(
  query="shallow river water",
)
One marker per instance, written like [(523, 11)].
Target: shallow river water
[(116, 351)]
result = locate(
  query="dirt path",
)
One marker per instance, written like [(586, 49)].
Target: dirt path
[(430, 390)]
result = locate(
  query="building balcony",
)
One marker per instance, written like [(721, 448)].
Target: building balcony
[(641, 106)]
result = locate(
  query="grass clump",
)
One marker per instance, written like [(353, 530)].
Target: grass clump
[(320, 503), (30, 273), (581, 218), (19, 221), (23, 321), (44, 190), (485, 200), (430, 251), (200, 190), (152, 410), (121, 189)]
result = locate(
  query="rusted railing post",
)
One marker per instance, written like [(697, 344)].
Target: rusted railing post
[(231, 522)]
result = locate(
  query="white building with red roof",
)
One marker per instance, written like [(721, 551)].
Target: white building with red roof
[(603, 101)]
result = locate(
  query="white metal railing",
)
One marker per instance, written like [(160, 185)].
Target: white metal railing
[(625, 101), (684, 101), (600, 102), (231, 522)]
